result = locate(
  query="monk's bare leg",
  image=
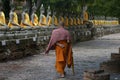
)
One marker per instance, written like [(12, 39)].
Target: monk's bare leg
[(60, 66)]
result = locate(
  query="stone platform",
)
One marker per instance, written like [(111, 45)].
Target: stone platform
[(17, 44)]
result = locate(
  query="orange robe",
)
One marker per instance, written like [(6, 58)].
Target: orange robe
[(63, 56)]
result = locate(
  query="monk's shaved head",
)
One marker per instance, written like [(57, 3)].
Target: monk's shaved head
[(61, 24)]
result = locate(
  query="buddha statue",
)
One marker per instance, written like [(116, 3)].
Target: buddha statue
[(54, 19), (34, 17), (61, 17), (25, 22), (2, 18), (74, 20), (70, 20), (42, 21), (85, 14), (13, 19), (3, 25), (66, 20), (48, 18), (78, 20)]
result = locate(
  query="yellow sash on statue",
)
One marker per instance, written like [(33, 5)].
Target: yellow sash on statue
[(26, 20), (14, 20), (35, 22), (2, 18)]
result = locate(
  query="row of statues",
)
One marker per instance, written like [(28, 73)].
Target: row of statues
[(33, 21)]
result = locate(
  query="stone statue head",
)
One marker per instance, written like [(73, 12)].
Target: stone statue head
[(42, 10), (85, 8), (12, 5), (26, 10), (1, 8), (48, 11), (54, 12), (61, 14), (0, 3), (34, 8), (13, 9)]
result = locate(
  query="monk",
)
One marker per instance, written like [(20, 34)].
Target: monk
[(60, 41)]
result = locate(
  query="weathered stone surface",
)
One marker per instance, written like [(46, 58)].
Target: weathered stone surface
[(112, 66), (40, 37), (115, 56), (96, 75)]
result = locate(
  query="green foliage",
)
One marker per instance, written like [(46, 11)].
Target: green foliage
[(105, 7)]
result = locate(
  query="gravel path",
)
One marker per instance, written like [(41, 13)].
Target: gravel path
[(87, 55)]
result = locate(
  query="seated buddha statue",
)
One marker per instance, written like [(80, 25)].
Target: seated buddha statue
[(70, 22), (85, 14), (34, 17), (3, 25), (48, 18), (61, 18), (66, 20), (54, 19), (74, 20), (42, 21), (2, 18), (25, 22), (13, 19), (78, 20)]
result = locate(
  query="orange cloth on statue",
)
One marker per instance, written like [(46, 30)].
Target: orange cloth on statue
[(85, 16), (71, 22), (49, 21), (43, 21), (55, 21), (2, 18), (35, 22), (66, 22), (61, 19), (14, 19), (26, 20), (74, 21), (63, 56), (78, 21)]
